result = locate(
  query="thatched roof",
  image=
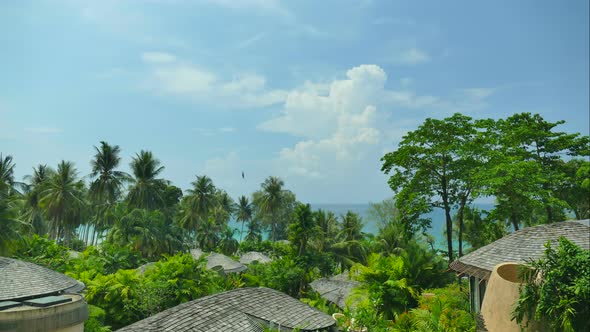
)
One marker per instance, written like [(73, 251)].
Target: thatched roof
[(196, 253), (244, 310), (20, 280), (335, 289), (522, 246), (252, 256), (229, 265)]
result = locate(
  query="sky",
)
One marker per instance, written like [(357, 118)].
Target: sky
[(315, 92)]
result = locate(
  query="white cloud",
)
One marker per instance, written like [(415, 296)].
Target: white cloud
[(347, 120), (411, 56), (337, 121), (44, 130), (158, 57), (171, 76)]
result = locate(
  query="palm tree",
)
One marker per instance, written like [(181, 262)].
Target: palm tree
[(10, 225), (105, 189), (37, 182), (349, 248), (7, 182), (145, 191), (244, 212), (107, 183), (328, 229), (271, 200), (228, 244), (198, 204), (64, 200)]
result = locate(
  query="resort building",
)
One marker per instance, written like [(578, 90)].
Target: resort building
[(504, 255), (254, 256), (219, 262), (335, 289), (33, 298), (244, 309)]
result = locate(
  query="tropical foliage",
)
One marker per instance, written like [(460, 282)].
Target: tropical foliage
[(557, 289), (126, 235)]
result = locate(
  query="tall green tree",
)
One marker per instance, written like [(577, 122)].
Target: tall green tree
[(7, 181), (196, 206), (349, 247), (571, 187), (528, 142), (10, 225), (327, 230), (64, 201), (270, 201), (433, 164), (244, 212), (36, 183), (145, 191), (107, 183), (481, 228)]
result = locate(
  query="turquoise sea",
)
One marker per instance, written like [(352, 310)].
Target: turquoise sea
[(371, 226)]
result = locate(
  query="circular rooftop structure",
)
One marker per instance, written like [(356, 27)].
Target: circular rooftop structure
[(24, 280)]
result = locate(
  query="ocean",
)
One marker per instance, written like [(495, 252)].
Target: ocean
[(371, 226)]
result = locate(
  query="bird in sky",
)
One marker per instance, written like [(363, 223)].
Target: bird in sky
[(242, 174)]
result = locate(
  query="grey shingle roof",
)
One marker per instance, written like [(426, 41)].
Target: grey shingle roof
[(335, 289), (241, 309), (252, 256), (20, 280), (229, 265), (521, 246)]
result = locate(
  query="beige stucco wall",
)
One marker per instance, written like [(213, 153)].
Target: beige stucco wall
[(65, 317), (75, 328), (500, 298)]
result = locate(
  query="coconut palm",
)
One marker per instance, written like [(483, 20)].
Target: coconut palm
[(349, 247), (271, 201), (107, 182), (139, 228), (198, 204), (10, 225), (203, 193), (7, 182), (328, 229), (146, 189), (63, 199), (228, 244), (244, 212), (33, 212)]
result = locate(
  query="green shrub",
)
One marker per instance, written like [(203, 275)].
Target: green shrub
[(561, 297)]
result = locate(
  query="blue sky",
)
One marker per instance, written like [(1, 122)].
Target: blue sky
[(312, 91)]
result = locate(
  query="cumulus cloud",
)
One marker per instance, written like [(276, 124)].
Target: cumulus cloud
[(171, 76), (337, 122), (344, 122)]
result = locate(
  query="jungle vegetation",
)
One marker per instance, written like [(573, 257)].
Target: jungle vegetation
[(120, 219)]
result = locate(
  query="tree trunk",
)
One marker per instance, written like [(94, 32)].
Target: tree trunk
[(549, 213), (514, 221), (449, 220), (242, 231), (460, 215)]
